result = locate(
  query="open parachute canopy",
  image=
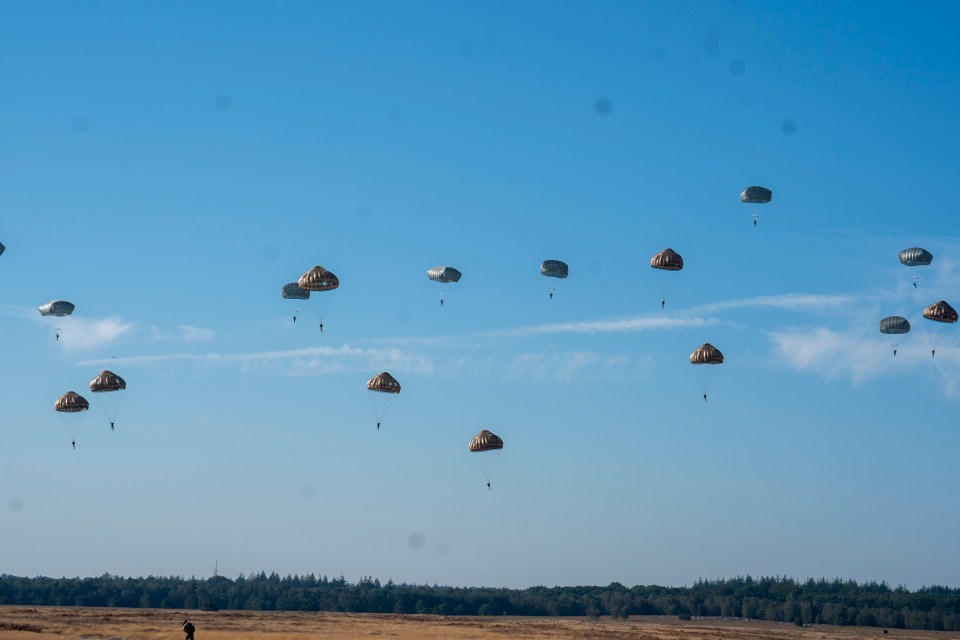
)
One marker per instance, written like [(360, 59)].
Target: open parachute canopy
[(292, 291), (554, 269), (444, 274), (668, 260), (940, 312), (915, 257), (318, 279), (107, 381), (756, 195), (58, 308), (383, 382), (894, 325), (706, 354), (71, 402), (485, 441)]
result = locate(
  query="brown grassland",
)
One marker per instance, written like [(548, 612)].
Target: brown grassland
[(74, 623)]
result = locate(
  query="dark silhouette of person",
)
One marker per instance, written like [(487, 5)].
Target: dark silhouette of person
[(551, 295), (58, 336), (704, 397), (441, 302), (378, 425), (294, 319), (933, 352), (188, 630), (488, 485), (111, 425), (894, 352), (74, 443), (321, 327), (663, 303)]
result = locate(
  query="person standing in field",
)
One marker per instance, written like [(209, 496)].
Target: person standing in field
[(188, 630)]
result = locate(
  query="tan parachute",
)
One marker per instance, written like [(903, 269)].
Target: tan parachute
[(318, 279), (488, 446), (706, 354), (386, 390), (72, 407), (108, 381)]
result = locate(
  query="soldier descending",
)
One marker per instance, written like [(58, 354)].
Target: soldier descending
[(188, 630)]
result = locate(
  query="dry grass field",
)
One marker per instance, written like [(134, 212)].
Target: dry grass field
[(70, 623)]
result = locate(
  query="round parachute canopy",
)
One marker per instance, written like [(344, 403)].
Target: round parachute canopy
[(292, 291), (58, 308), (485, 441), (444, 274), (383, 382), (71, 402), (895, 325), (915, 257), (318, 279), (554, 269), (107, 381), (756, 195), (706, 354), (940, 312), (668, 259)]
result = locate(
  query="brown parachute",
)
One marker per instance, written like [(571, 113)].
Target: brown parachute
[(485, 441), (668, 260), (940, 312), (318, 279), (383, 382), (107, 381), (71, 402), (706, 354)]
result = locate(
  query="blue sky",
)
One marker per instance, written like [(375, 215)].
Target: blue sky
[(168, 167)]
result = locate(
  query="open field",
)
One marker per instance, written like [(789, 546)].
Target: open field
[(72, 623)]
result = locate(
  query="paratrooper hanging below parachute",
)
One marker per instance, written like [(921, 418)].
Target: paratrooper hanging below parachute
[(319, 279), (554, 269), (756, 195), (664, 262), (383, 383), (940, 312), (445, 275), (895, 325), (488, 446)]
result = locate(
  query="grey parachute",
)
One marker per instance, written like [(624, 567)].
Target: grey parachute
[(554, 269), (915, 257), (444, 274), (57, 308), (292, 291), (894, 325), (756, 195)]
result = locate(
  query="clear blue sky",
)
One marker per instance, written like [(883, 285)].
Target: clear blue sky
[(168, 166)]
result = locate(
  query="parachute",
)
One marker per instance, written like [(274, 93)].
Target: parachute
[(756, 195), (72, 407), (706, 354), (664, 262), (292, 291), (943, 314), (106, 382), (554, 269), (940, 312), (387, 389), (915, 257), (488, 445), (894, 325), (444, 274), (319, 279), (57, 308)]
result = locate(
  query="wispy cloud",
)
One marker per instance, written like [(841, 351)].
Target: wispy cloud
[(847, 354), (573, 365), (615, 325), (788, 301), (79, 334), (183, 333), (305, 361)]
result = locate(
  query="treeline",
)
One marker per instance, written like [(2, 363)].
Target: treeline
[(774, 599)]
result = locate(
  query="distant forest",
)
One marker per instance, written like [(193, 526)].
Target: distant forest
[(774, 599)]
